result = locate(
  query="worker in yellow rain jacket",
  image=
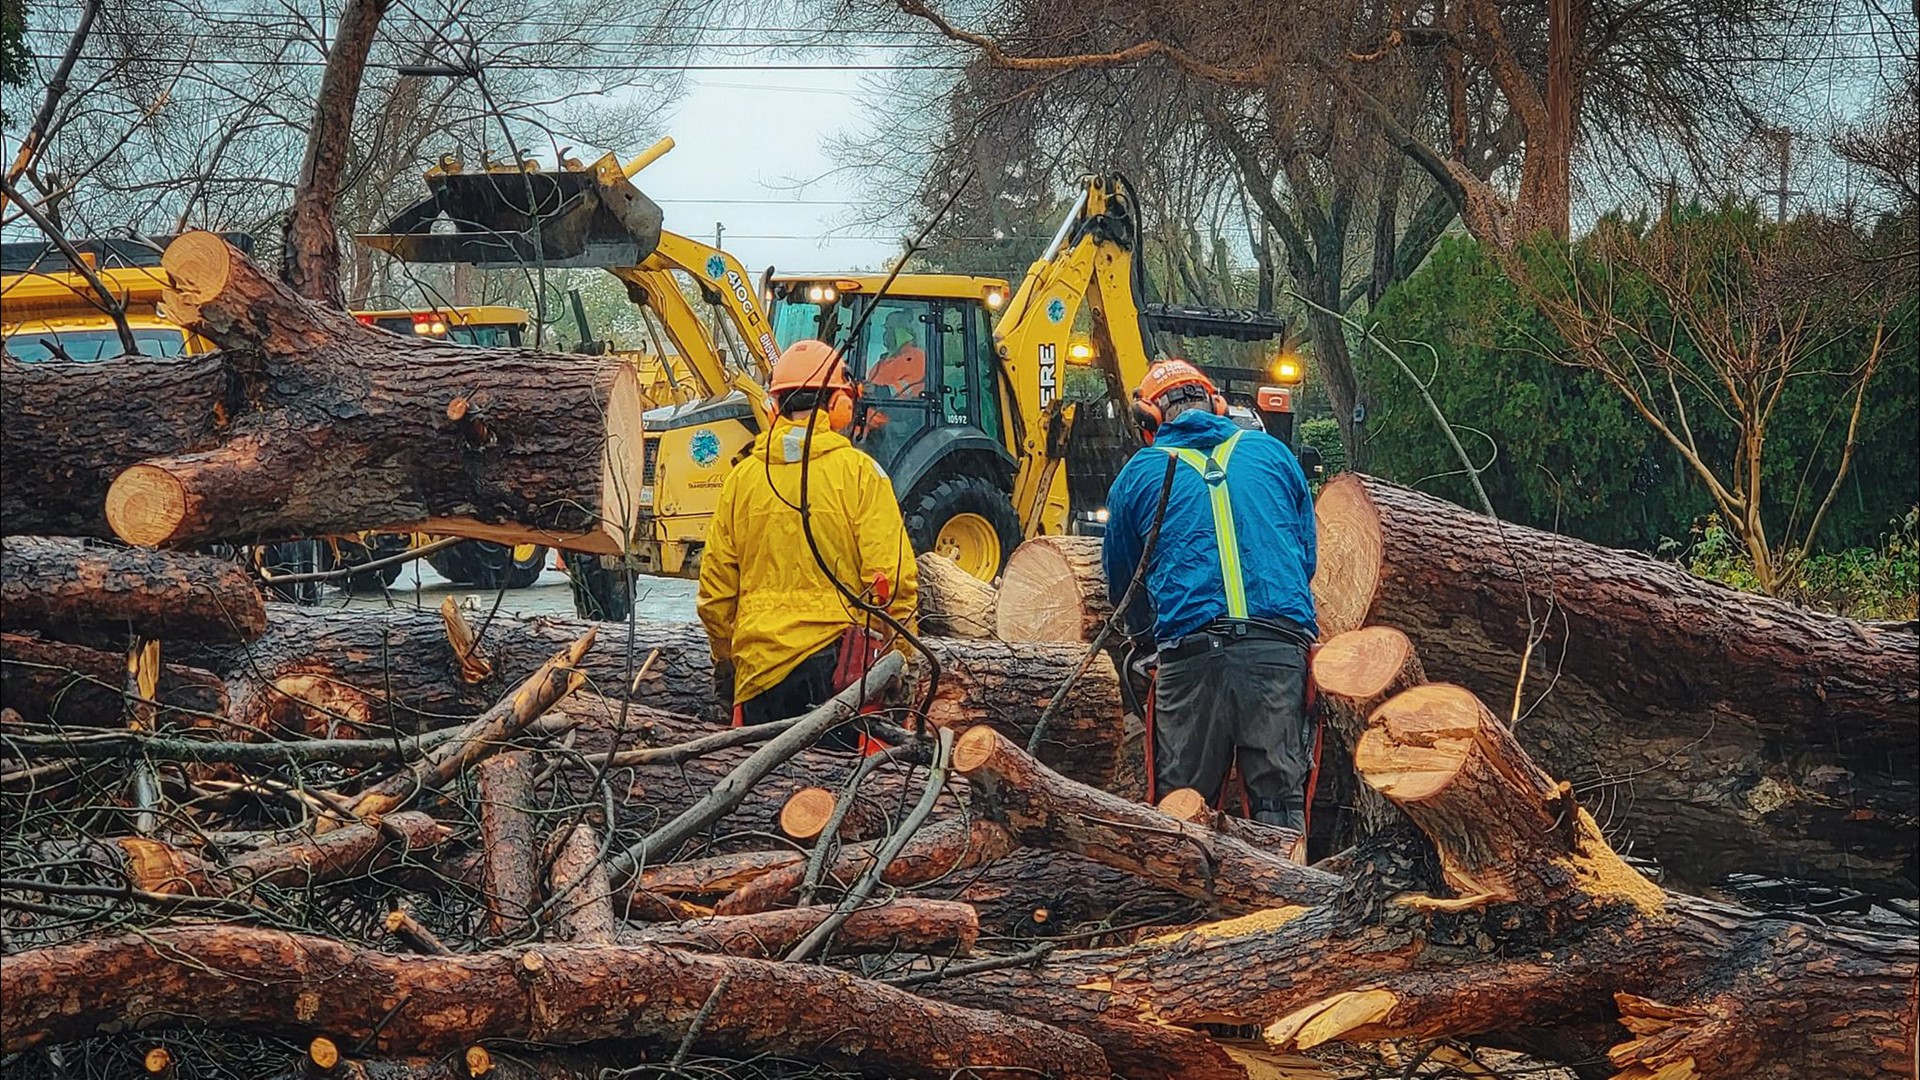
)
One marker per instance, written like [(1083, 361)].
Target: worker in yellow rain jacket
[(784, 637)]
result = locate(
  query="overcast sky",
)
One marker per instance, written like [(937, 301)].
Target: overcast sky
[(751, 153)]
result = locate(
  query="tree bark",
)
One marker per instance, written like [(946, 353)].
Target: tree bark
[(312, 262), (1053, 589), (510, 882), (240, 978), (338, 427), (1354, 674), (1723, 732), (67, 429), (1526, 919), (953, 603), (939, 927), (363, 673), (942, 848), (578, 890), (74, 591), (1009, 686), (554, 680), (1044, 809), (51, 682), (160, 867), (1186, 804)]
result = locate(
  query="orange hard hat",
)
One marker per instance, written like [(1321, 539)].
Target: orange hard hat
[(809, 364), (1166, 374)]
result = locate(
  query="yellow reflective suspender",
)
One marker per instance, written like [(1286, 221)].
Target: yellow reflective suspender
[(1213, 471)]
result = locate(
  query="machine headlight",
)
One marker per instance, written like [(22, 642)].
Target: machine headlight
[(1101, 514)]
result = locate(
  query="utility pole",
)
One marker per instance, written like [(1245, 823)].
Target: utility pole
[(1782, 140)]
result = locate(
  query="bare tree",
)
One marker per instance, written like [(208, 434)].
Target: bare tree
[(1747, 313)]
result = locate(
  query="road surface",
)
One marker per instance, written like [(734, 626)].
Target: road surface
[(656, 598)]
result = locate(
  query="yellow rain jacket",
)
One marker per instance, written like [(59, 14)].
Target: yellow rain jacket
[(763, 599)]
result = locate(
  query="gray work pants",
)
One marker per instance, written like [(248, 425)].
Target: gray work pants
[(1243, 697)]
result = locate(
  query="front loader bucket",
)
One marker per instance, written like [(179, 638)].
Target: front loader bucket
[(591, 217)]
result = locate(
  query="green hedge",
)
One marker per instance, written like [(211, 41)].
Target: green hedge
[(1563, 451)]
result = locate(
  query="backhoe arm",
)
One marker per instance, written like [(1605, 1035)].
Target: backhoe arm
[(1090, 258)]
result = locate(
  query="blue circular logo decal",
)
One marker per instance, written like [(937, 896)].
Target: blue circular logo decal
[(1056, 310), (716, 267), (706, 447)]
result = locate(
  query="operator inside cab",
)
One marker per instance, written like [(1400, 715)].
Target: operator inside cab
[(1224, 591), (902, 372), (784, 637)]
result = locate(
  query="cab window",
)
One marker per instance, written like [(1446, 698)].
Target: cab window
[(485, 337), (90, 345)]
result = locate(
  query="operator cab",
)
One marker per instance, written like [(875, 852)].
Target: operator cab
[(924, 359)]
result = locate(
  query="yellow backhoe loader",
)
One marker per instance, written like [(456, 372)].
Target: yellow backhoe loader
[(961, 378)]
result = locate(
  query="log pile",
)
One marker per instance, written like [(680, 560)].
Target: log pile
[(252, 839)]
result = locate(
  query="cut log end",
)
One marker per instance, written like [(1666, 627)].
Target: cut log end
[(323, 1053), (479, 1061), (146, 505), (975, 748), (1362, 663), (1185, 804), (1053, 589), (1413, 750), (199, 264), (807, 812), (157, 1061), (1347, 527)]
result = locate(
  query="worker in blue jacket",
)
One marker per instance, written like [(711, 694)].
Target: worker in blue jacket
[(1227, 584)]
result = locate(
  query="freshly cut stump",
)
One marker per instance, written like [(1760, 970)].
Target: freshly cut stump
[(1053, 589), (1355, 672)]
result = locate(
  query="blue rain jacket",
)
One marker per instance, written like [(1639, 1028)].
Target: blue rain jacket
[(1272, 518)]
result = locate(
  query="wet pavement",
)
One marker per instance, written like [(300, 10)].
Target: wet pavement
[(663, 599)]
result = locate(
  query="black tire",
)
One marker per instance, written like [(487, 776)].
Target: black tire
[(599, 592), (941, 498), (345, 553), (487, 565)]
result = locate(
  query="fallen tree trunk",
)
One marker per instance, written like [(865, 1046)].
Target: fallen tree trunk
[(348, 673), (1526, 920), (953, 603), (1732, 732), (163, 868), (940, 927), (234, 977), (337, 427), (579, 895), (1034, 894), (345, 672), (52, 682), (67, 429), (510, 866), (1008, 686), (1053, 590), (1043, 809), (943, 848), (96, 595)]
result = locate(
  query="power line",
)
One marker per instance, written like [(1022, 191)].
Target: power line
[(507, 63)]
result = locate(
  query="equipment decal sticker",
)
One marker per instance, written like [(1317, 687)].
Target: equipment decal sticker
[(1056, 310), (705, 448)]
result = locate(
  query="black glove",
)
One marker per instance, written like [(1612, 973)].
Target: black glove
[(723, 686)]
